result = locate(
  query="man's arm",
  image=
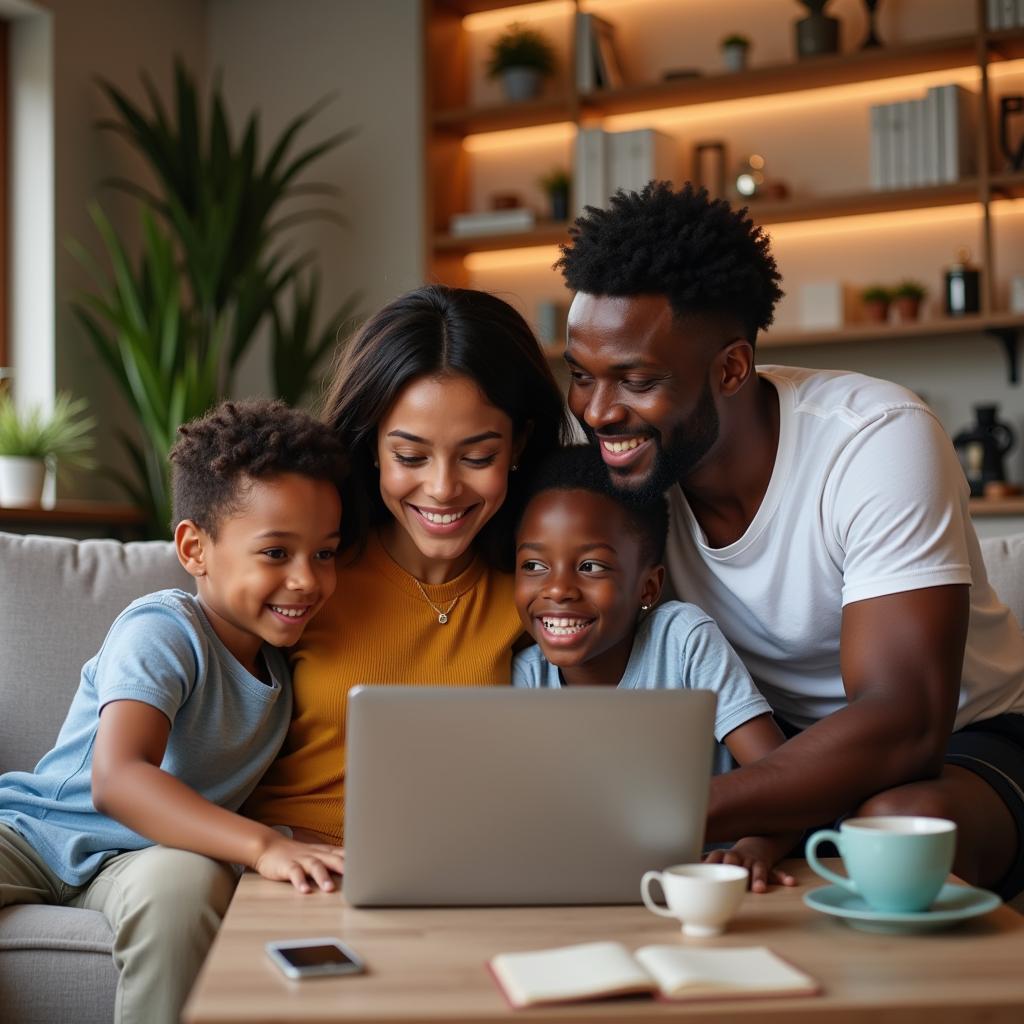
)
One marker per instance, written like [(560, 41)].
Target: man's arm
[(901, 658), (129, 785)]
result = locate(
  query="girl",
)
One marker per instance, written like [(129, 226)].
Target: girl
[(444, 402)]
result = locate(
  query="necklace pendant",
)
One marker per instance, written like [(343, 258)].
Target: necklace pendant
[(442, 618)]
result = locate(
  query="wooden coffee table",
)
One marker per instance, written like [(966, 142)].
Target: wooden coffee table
[(428, 965)]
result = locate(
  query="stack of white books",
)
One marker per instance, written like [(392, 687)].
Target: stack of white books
[(608, 161), (929, 141), (492, 222), (1005, 14)]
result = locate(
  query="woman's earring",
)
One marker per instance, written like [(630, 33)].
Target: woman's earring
[(515, 467), (645, 607)]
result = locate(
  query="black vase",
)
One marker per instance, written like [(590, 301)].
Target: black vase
[(816, 34), (982, 447)]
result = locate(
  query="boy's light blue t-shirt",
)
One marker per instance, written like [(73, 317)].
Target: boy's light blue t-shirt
[(677, 647), (226, 728)]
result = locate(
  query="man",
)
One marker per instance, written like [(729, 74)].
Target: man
[(820, 517)]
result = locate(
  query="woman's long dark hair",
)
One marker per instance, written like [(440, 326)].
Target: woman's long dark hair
[(429, 332)]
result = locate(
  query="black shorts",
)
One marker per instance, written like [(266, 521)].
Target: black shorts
[(994, 750)]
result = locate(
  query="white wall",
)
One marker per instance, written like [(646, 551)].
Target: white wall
[(279, 57)]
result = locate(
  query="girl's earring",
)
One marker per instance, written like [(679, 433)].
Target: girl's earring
[(515, 467), (645, 607)]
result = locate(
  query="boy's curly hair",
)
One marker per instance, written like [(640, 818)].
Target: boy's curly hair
[(254, 439), (579, 467), (701, 254)]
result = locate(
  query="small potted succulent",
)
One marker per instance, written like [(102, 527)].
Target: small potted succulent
[(875, 300), (30, 442), (734, 52), (556, 184), (522, 58), (906, 300)]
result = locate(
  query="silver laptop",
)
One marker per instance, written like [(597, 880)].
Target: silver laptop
[(490, 796)]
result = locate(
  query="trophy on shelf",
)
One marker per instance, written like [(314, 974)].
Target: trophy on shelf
[(872, 40), (1011, 108)]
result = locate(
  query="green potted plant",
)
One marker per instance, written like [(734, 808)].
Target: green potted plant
[(875, 299), (522, 58), (556, 184), (734, 52), (31, 441), (906, 300)]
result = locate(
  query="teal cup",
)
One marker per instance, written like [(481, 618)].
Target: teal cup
[(895, 864)]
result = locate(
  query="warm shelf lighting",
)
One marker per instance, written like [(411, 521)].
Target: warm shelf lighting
[(896, 220), (883, 90), (563, 131), (509, 259), (525, 12)]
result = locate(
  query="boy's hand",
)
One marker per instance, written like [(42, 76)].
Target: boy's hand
[(286, 860), (759, 855)]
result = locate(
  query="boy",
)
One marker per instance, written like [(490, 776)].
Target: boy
[(182, 710), (588, 573)]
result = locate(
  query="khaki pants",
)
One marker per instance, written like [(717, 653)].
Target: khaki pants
[(163, 905)]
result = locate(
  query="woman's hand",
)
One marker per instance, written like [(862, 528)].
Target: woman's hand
[(287, 860), (760, 855)]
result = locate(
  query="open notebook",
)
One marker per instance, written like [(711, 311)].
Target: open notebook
[(598, 970)]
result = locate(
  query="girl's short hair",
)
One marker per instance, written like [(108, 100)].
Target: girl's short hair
[(429, 332)]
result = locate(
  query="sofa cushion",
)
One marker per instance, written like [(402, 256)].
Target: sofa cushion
[(53, 959), (1004, 562), (57, 600)]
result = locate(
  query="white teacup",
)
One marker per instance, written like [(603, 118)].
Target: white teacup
[(702, 896)]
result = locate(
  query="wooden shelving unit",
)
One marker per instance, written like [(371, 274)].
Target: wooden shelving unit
[(450, 120)]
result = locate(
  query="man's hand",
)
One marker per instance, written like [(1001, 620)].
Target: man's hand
[(286, 860), (760, 856)]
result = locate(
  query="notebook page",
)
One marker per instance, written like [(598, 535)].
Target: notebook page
[(571, 972), (743, 971)]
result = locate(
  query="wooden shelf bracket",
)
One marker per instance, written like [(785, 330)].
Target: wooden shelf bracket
[(1008, 336)]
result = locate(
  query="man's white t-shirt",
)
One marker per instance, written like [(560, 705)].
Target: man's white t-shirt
[(866, 498)]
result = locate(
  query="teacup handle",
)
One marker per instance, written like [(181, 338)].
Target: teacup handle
[(645, 894), (826, 835)]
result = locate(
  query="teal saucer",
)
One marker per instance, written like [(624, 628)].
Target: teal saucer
[(954, 903)]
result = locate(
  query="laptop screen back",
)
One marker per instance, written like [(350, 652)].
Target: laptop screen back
[(501, 796)]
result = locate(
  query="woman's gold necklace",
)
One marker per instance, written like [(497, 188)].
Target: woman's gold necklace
[(442, 613)]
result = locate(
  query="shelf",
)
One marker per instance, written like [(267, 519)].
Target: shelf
[(75, 513), (945, 327), (543, 234), (503, 116), (797, 76), (821, 207), (997, 506), (464, 7)]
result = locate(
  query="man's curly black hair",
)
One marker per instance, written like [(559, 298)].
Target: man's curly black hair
[(579, 467), (701, 254), (249, 440)]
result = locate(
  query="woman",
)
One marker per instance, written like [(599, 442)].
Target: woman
[(444, 402)]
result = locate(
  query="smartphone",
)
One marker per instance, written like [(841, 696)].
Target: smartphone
[(314, 958)]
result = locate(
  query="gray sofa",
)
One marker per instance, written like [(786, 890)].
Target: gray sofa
[(57, 599)]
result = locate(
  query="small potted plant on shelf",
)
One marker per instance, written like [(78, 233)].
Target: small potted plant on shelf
[(522, 58), (556, 184), (906, 300), (875, 299), (31, 441), (734, 52)]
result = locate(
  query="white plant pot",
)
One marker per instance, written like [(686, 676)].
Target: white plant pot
[(521, 83), (21, 481), (734, 58)]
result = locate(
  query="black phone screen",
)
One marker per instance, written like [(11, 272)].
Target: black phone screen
[(315, 956)]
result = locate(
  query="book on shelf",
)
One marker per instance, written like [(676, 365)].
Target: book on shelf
[(492, 222), (597, 61), (1004, 14), (601, 970), (927, 141), (608, 161)]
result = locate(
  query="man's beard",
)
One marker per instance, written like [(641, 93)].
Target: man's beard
[(688, 443)]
